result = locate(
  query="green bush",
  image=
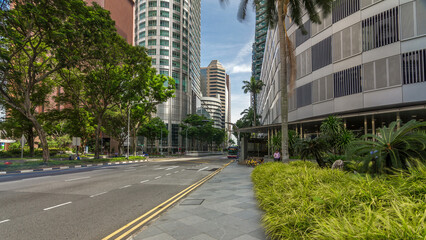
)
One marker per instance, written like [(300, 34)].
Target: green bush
[(302, 201)]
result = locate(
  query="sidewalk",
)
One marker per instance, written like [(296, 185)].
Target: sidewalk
[(222, 208)]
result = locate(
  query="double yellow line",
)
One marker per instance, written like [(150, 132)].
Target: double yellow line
[(129, 228)]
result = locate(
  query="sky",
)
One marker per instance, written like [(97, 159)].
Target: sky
[(228, 40)]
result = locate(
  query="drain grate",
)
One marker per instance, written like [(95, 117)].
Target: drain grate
[(192, 202)]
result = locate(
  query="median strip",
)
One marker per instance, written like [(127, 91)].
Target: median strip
[(60, 205), (131, 227)]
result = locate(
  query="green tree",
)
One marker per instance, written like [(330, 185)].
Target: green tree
[(197, 128), (276, 12), (254, 87), (335, 134), (218, 136), (391, 148), (153, 129), (39, 38), (312, 148)]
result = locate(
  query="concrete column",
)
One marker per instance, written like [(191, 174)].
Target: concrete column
[(365, 125), (297, 130), (301, 131), (269, 141), (344, 123), (398, 119), (373, 125)]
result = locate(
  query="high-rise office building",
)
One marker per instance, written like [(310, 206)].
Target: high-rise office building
[(214, 84), (366, 62), (170, 30), (259, 40)]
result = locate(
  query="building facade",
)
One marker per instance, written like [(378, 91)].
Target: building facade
[(259, 40), (170, 30), (214, 85), (214, 107), (366, 62)]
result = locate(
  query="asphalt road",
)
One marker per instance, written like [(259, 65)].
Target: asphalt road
[(94, 202)]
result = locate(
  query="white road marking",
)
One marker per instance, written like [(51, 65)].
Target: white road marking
[(74, 179), (144, 181), (168, 174), (176, 171), (127, 170), (62, 204), (7, 220), (158, 177), (167, 168), (125, 186), (94, 195), (202, 169)]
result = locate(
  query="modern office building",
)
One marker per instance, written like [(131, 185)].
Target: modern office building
[(366, 62), (170, 30), (214, 107), (259, 40), (214, 84)]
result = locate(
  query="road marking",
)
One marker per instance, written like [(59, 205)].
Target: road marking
[(127, 170), (7, 220), (94, 195), (144, 181), (125, 186), (176, 171), (167, 168), (74, 179), (158, 177), (62, 204), (202, 169), (168, 174)]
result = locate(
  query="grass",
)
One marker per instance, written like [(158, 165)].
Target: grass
[(15, 166), (302, 201)]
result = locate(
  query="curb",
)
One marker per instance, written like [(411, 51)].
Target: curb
[(72, 166)]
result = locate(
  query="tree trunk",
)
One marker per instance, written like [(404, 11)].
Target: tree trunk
[(283, 82), (97, 133), (30, 138), (42, 135)]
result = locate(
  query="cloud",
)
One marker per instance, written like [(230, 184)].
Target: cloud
[(243, 68), (239, 102), (242, 62)]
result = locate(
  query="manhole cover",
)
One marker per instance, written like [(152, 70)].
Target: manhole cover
[(192, 202)]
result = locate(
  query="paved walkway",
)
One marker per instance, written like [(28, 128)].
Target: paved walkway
[(222, 208)]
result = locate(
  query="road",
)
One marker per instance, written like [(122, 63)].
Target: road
[(91, 203)]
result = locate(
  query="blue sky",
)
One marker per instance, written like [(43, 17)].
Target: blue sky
[(226, 39)]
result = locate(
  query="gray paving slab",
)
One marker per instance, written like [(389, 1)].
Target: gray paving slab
[(228, 211)]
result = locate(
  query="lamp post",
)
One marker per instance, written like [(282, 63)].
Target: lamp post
[(161, 141), (128, 132), (186, 139)]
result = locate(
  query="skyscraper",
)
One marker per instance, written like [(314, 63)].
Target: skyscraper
[(170, 30), (259, 40)]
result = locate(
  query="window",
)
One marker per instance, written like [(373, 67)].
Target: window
[(366, 3), (344, 8), (164, 62), (142, 6), (164, 72), (164, 23), (321, 54), (176, 17), (142, 15), (152, 51), (164, 33), (412, 19), (142, 34), (176, 64), (382, 73), (304, 95), (176, 26), (141, 25), (184, 85), (152, 42), (414, 67), (300, 37), (185, 40), (176, 35), (142, 43), (164, 42), (164, 52), (164, 4), (176, 45), (304, 63), (176, 7), (175, 53), (152, 4), (347, 82), (152, 13), (380, 30), (184, 67), (154, 61), (152, 32), (164, 13), (322, 89), (152, 23)]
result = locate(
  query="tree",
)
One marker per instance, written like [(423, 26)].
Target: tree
[(218, 136), (335, 134), (246, 121), (198, 128), (391, 148), (312, 147), (254, 87), (153, 129), (39, 38), (276, 12)]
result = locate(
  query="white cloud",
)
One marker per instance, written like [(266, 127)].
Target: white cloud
[(239, 102), (243, 68), (241, 62)]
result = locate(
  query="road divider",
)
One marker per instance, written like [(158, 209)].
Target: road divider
[(128, 229)]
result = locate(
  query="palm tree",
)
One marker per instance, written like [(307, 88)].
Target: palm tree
[(392, 148), (253, 86), (276, 12)]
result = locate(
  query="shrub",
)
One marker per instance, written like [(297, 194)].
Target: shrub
[(303, 201)]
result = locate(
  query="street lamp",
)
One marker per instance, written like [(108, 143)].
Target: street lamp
[(128, 129)]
